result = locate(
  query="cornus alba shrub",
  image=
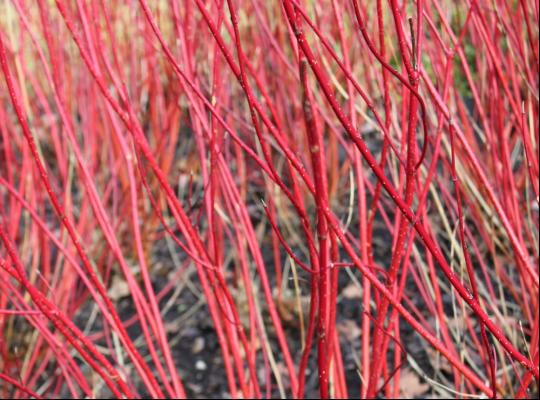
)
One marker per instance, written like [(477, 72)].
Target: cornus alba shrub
[(289, 198)]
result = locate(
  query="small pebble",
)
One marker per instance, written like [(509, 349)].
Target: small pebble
[(200, 365), (198, 345)]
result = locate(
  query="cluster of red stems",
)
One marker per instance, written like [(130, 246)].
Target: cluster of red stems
[(300, 126)]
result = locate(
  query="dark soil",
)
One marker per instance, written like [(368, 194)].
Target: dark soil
[(197, 353)]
